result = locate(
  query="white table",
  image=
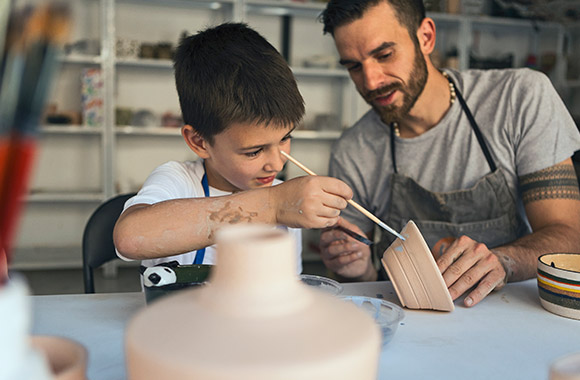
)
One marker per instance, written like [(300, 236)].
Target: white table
[(507, 336)]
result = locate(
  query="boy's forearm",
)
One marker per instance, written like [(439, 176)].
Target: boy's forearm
[(182, 225)]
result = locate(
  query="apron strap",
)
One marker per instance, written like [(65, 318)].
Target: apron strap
[(475, 128), (393, 155), (201, 252)]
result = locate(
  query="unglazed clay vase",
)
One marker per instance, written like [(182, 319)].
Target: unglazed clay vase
[(254, 320), (67, 359), (414, 273)]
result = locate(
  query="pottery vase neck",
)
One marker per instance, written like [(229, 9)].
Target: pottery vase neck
[(255, 272)]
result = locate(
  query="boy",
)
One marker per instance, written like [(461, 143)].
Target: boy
[(240, 103)]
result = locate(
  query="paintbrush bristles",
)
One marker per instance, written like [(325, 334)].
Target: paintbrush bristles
[(59, 24)]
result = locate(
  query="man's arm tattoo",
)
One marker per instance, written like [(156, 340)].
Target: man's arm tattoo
[(556, 182)]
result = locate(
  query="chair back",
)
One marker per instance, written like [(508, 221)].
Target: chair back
[(98, 247)]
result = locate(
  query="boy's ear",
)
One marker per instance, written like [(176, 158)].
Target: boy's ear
[(195, 142)]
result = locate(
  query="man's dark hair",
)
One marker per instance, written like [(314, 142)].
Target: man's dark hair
[(231, 74), (409, 13)]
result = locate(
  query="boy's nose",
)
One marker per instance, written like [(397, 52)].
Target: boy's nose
[(275, 162)]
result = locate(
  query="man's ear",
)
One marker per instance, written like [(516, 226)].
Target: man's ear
[(194, 140), (426, 35)]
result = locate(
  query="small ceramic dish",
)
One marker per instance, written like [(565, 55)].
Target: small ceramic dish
[(66, 358), (414, 273), (168, 278), (566, 367), (385, 313), (326, 284), (559, 283)]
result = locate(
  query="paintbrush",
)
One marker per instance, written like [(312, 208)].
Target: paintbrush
[(44, 35), (354, 235), (364, 211)]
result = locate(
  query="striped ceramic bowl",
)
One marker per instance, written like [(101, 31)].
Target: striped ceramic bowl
[(559, 283)]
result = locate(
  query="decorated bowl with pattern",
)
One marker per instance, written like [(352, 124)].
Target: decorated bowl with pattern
[(559, 283)]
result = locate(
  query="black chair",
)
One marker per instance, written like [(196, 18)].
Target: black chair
[(98, 246)]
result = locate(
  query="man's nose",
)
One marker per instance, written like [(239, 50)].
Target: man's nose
[(374, 77)]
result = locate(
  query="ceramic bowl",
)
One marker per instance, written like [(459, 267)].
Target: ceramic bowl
[(566, 368), (67, 359), (179, 278), (325, 284), (559, 283), (386, 314), (414, 273)]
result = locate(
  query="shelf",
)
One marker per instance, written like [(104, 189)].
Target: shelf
[(320, 72), (145, 63), (512, 23), (204, 4), (147, 131), (69, 130), (445, 18), (316, 135), (65, 197), (480, 20), (81, 59), (176, 132), (298, 71), (285, 8)]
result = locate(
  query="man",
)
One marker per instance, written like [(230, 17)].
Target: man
[(480, 160)]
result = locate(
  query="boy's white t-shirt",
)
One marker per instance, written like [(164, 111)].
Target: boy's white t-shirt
[(176, 180)]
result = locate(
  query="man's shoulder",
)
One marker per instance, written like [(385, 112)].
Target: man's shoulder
[(502, 78)]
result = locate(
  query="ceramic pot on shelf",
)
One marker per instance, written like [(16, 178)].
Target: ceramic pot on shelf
[(254, 320)]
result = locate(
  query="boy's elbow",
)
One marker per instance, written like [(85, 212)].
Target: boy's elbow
[(126, 244)]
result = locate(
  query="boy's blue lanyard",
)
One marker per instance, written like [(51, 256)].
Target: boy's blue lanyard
[(201, 252)]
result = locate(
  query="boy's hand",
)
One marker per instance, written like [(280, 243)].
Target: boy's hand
[(346, 256), (310, 202)]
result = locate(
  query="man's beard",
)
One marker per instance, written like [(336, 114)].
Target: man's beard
[(391, 113)]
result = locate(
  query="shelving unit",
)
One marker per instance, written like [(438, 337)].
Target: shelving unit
[(81, 166)]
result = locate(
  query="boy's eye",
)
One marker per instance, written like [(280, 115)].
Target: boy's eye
[(253, 154), (286, 138)]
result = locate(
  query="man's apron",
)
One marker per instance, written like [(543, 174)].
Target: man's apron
[(486, 212)]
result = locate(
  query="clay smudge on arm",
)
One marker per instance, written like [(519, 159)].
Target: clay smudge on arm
[(230, 214)]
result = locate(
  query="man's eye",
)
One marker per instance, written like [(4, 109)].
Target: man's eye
[(384, 56), (353, 67)]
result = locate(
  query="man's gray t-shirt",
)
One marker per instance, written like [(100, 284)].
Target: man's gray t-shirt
[(523, 121)]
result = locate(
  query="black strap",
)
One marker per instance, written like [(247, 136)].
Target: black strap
[(393, 155), (475, 128)]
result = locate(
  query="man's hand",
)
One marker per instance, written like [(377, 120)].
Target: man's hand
[(467, 263), (310, 202), (346, 256)]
